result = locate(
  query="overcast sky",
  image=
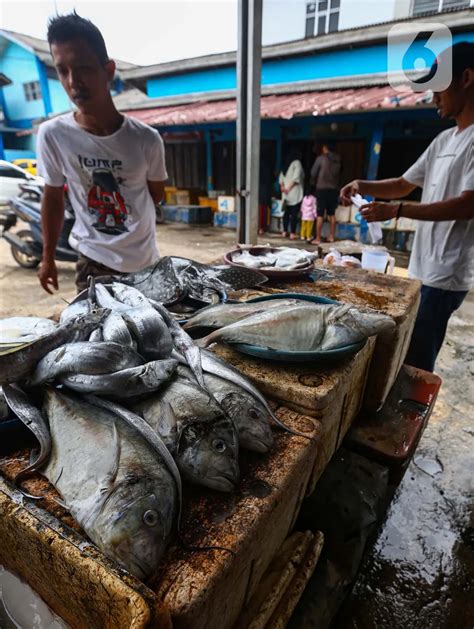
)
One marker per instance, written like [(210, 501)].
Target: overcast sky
[(142, 32)]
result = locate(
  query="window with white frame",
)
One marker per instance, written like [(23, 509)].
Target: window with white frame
[(437, 6), (322, 17), (32, 90)]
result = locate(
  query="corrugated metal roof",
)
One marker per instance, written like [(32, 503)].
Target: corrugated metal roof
[(285, 106)]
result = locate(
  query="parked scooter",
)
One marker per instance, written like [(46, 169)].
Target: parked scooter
[(27, 244)]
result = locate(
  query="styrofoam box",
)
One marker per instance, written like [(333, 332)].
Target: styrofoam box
[(356, 217), (406, 224), (226, 204), (343, 214)]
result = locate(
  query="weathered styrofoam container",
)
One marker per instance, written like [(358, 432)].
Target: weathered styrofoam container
[(406, 224), (191, 590), (398, 297), (331, 394)]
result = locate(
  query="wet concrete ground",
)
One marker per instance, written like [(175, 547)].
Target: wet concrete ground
[(420, 572)]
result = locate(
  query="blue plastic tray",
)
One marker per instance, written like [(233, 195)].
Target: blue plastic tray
[(317, 357)]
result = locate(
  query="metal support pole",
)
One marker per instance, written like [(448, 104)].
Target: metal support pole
[(249, 57)]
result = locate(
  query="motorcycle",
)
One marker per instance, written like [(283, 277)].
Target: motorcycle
[(27, 244)]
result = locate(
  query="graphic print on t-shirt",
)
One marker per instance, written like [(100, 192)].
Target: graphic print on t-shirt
[(106, 203)]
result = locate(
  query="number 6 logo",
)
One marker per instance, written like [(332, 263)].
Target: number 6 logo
[(411, 51)]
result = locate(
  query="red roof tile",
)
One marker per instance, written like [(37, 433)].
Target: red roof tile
[(284, 106)]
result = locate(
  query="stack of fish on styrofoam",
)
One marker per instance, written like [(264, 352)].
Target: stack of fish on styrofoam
[(289, 325), (125, 407)]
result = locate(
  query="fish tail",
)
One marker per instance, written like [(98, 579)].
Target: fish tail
[(209, 339)]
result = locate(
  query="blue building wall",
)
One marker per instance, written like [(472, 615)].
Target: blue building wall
[(21, 67), (59, 100), (336, 63)]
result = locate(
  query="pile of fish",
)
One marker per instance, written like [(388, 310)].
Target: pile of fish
[(125, 406), (289, 324), (184, 285), (281, 258)]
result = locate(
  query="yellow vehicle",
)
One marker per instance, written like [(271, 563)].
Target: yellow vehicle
[(27, 164)]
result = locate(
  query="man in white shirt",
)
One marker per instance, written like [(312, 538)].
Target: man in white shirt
[(443, 249), (114, 166)]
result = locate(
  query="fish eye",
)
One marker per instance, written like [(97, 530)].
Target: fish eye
[(254, 413), (150, 517), (219, 445)]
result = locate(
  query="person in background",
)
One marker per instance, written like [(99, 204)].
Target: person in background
[(114, 165), (325, 176), (291, 185), (308, 214), (265, 192), (443, 249)]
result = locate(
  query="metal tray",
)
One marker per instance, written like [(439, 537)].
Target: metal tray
[(271, 274)]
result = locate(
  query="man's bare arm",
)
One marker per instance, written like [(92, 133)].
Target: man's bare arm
[(157, 190), (52, 218), (385, 189), (456, 209)]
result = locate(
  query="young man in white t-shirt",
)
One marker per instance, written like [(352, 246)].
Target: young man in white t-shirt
[(114, 166), (443, 249)]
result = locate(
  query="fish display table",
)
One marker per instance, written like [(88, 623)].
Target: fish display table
[(332, 394), (205, 589), (395, 296)]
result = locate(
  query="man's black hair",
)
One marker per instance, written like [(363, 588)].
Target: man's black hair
[(64, 28)]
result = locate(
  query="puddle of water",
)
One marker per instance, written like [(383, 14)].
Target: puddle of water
[(22, 608)]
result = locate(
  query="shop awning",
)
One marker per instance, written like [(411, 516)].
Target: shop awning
[(286, 106)]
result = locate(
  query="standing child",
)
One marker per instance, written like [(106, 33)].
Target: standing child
[(308, 215)]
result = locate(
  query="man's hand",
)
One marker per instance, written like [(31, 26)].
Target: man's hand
[(348, 191), (379, 211), (48, 275)]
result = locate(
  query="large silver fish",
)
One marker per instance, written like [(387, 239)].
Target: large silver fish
[(33, 419), (84, 358), (126, 383), (112, 481), (18, 363), (73, 310), (115, 329), (250, 417), (24, 329), (304, 328), (202, 440), (226, 314)]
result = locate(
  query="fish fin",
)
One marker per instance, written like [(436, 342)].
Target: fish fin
[(292, 431), (112, 475), (61, 504)]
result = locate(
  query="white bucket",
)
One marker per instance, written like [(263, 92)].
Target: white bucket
[(377, 260)]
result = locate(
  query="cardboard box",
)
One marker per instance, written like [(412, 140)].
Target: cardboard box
[(182, 197), (226, 204)]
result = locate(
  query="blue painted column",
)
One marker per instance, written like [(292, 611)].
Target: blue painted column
[(209, 169), (2, 152), (43, 81), (375, 149)]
